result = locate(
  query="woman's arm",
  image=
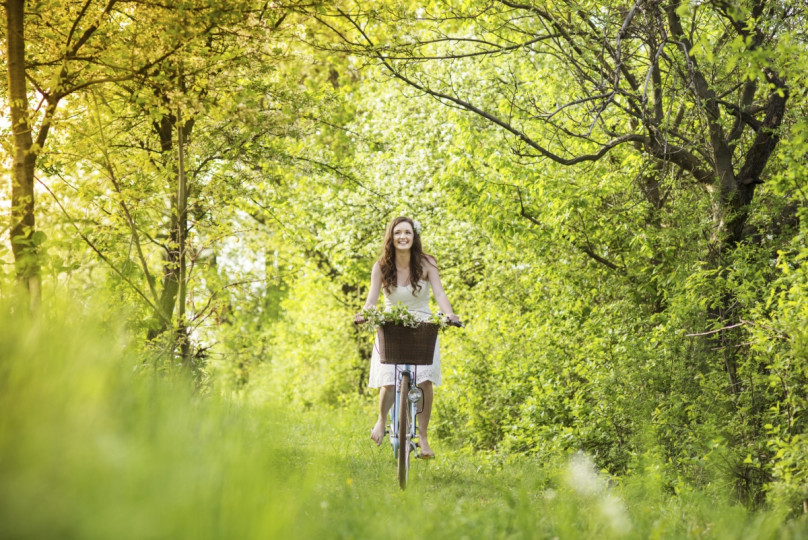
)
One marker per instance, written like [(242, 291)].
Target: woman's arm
[(437, 288), (373, 293)]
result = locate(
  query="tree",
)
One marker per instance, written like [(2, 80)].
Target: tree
[(169, 147), (681, 104), (654, 76), (61, 49), (120, 67)]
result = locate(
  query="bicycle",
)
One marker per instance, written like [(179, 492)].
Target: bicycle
[(407, 348)]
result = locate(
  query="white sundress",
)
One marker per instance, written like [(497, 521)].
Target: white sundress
[(384, 374)]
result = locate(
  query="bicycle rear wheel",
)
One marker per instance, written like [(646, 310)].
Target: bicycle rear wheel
[(403, 432)]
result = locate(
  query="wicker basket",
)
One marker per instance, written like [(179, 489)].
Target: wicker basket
[(405, 345)]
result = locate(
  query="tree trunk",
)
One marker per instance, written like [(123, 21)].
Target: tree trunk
[(23, 226), (173, 294), (171, 261), (182, 230)]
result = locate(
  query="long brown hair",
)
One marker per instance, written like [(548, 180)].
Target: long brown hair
[(387, 260)]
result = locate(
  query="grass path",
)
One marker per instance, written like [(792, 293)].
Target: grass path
[(357, 494), (354, 494), (91, 449)]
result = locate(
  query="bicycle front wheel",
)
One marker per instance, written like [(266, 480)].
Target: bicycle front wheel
[(403, 432)]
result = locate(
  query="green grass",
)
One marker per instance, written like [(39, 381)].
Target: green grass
[(94, 444)]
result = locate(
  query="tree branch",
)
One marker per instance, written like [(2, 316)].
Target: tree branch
[(129, 219), (767, 135), (103, 257), (87, 33), (585, 249), (709, 332)]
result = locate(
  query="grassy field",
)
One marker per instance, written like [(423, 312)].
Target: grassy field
[(94, 444)]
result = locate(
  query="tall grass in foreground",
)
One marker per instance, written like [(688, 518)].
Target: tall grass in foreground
[(95, 445)]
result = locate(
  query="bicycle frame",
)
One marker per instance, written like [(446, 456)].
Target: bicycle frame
[(411, 436), (403, 416)]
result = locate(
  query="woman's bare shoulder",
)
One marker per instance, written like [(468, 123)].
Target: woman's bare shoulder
[(430, 260)]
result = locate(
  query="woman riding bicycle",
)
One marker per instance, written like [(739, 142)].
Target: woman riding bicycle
[(405, 273)]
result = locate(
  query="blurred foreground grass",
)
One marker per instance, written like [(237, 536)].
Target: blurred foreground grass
[(94, 444)]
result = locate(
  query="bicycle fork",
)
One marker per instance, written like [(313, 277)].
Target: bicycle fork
[(414, 396)]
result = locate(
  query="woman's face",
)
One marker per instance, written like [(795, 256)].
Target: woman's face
[(403, 236)]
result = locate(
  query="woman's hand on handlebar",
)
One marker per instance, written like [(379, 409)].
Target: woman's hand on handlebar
[(358, 319), (454, 320)]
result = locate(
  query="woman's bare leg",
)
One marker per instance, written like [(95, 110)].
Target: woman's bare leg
[(386, 396), (423, 419)]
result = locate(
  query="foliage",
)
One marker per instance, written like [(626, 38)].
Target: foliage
[(612, 306), (312, 357)]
